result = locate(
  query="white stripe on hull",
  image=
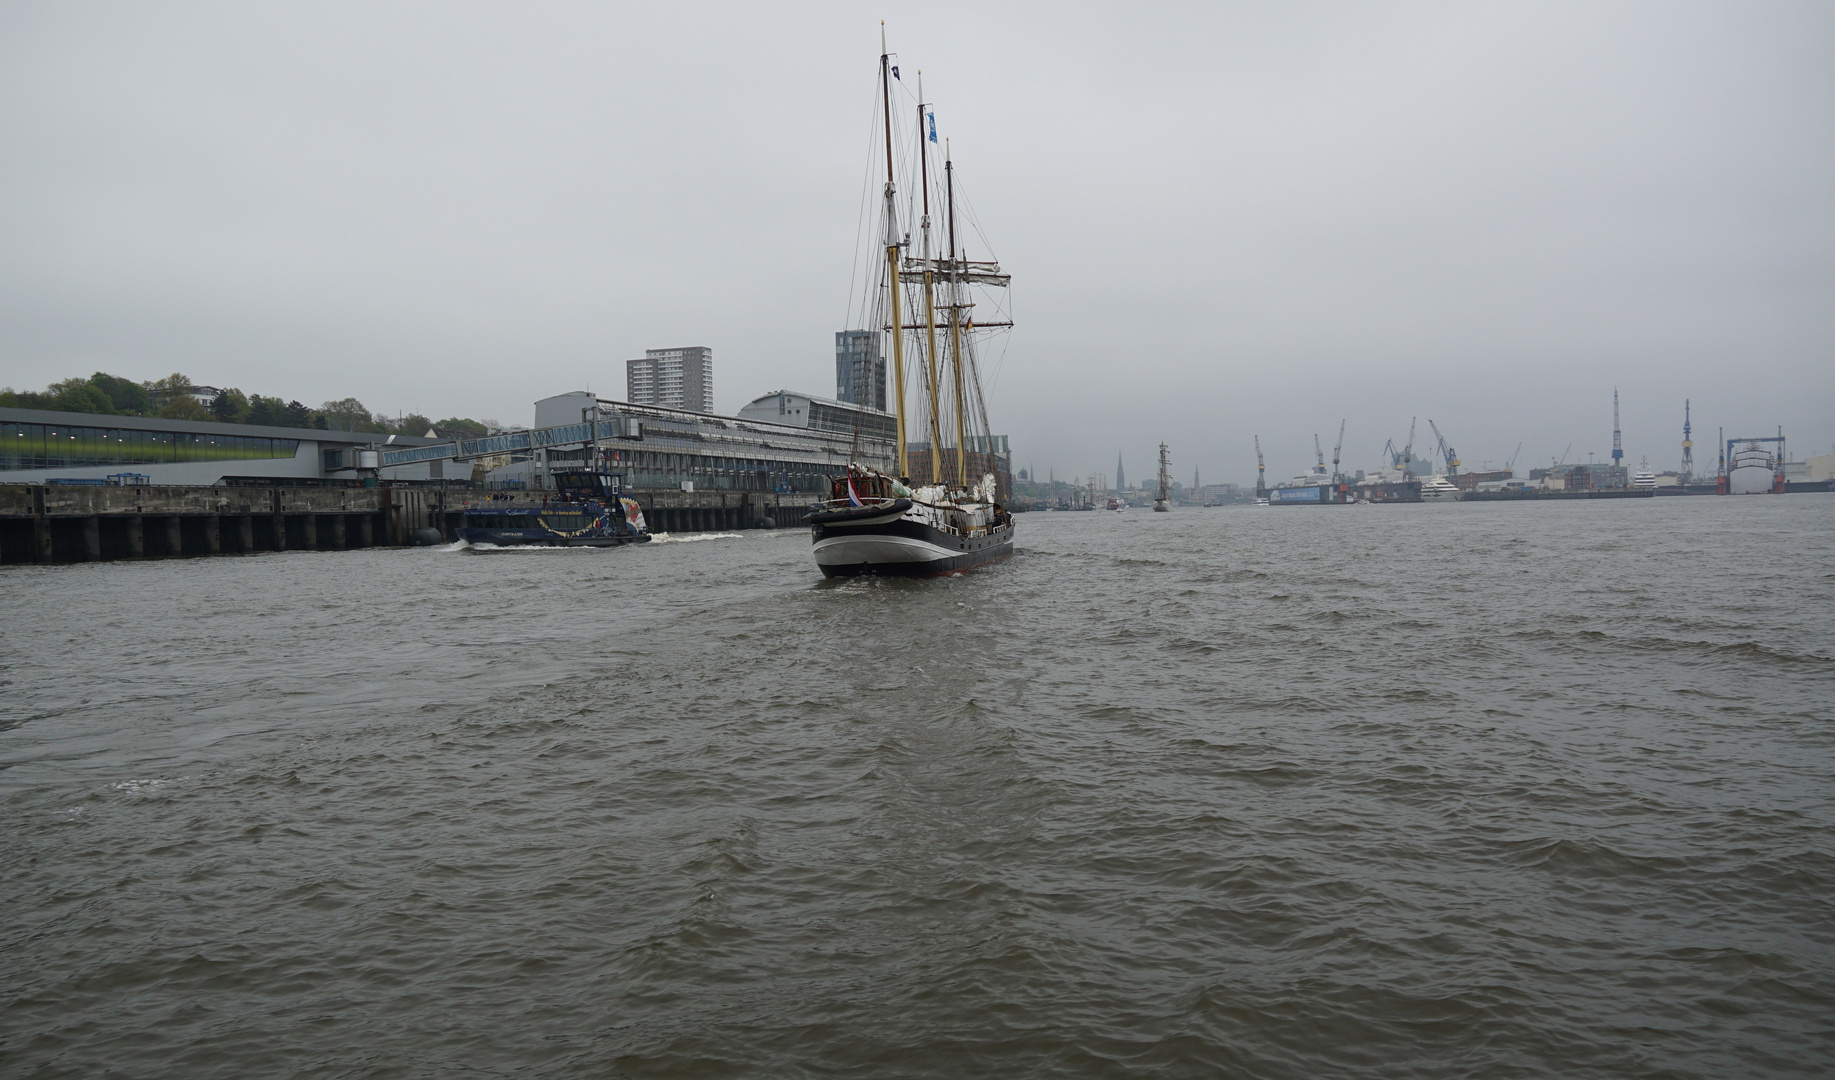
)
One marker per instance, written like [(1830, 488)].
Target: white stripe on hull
[(878, 550)]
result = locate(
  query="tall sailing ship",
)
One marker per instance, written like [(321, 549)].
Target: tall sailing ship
[(941, 512), (1162, 496)]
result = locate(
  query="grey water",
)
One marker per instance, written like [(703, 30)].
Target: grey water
[(1391, 791)]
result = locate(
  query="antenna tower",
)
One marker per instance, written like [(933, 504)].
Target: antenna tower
[(1688, 444), (1618, 448)]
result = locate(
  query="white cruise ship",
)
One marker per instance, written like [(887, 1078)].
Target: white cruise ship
[(1438, 488)]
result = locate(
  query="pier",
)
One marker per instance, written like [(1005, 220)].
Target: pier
[(53, 523)]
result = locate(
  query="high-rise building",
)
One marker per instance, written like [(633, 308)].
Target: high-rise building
[(672, 378), (860, 372)]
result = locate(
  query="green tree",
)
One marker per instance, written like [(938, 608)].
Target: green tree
[(411, 424), (346, 415), (163, 390), (455, 427), (230, 406), (79, 395), (184, 407), (129, 397), (270, 411), (24, 399)]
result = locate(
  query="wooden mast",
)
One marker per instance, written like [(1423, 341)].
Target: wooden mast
[(892, 283), (930, 304), (955, 325)]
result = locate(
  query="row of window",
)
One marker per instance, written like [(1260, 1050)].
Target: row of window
[(57, 446), (690, 465), (556, 520)]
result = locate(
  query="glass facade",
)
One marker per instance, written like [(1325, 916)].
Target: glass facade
[(58, 446), (658, 469)]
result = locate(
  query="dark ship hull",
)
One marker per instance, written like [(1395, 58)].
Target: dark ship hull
[(589, 511), (900, 538)]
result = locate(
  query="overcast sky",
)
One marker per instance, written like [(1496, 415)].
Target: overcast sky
[(1222, 220)]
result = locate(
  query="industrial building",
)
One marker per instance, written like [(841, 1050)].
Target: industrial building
[(37, 446), (986, 454), (672, 378)]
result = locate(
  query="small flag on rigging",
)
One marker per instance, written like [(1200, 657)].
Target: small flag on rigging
[(932, 117), (895, 72)]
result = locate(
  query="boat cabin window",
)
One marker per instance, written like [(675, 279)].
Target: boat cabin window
[(866, 487), (585, 484)]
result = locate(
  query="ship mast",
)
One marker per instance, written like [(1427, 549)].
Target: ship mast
[(892, 283), (955, 323), (930, 299)]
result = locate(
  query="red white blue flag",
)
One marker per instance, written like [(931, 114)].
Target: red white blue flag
[(851, 497)]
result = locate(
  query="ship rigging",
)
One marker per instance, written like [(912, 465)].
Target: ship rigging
[(941, 512)]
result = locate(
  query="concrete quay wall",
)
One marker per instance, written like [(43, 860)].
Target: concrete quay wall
[(668, 510), (78, 523)]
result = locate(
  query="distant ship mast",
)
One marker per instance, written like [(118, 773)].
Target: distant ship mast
[(1162, 500)]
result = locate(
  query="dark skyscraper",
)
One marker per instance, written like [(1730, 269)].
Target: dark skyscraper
[(860, 372)]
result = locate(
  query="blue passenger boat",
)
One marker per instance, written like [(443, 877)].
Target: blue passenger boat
[(586, 509)]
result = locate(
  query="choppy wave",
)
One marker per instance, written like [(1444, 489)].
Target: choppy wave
[(1263, 794), (689, 538)]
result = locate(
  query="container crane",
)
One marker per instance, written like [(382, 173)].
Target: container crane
[(1452, 458), (1337, 451), (1261, 486)]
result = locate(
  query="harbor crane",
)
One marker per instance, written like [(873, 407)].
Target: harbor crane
[(1408, 452), (1338, 450), (1318, 455), (1446, 452), (1261, 485), (1510, 466)]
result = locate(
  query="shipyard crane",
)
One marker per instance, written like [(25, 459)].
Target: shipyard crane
[(1510, 466), (1318, 454), (1261, 486), (1446, 452), (1394, 455), (1408, 451), (1338, 450)]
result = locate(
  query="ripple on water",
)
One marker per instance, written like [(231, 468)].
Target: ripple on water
[(1210, 793)]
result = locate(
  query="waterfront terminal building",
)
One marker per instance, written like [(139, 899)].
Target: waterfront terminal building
[(39, 446), (783, 442)]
